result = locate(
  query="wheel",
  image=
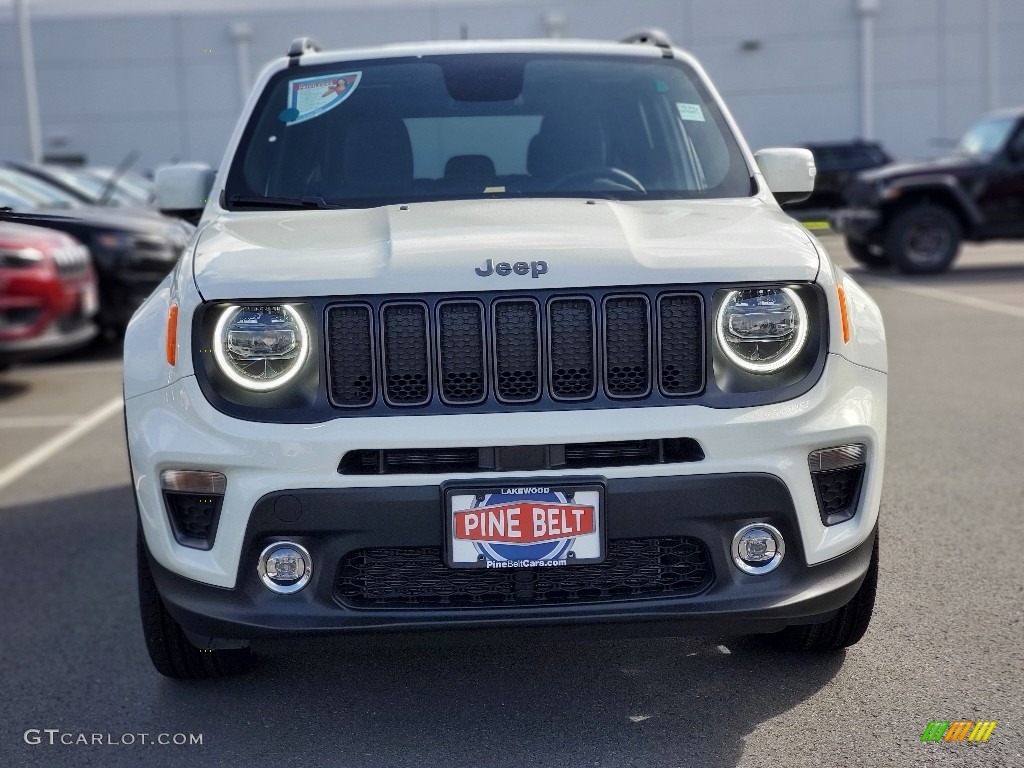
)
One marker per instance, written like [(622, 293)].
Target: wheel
[(923, 239), (613, 178), (169, 649), (861, 253), (844, 629)]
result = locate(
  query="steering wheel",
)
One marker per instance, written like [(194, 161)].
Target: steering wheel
[(612, 178)]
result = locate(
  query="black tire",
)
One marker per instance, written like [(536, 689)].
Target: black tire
[(844, 629), (169, 649), (923, 240), (861, 253)]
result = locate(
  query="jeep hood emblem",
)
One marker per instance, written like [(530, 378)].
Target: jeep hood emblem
[(534, 268)]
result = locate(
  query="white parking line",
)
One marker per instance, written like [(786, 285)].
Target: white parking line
[(941, 295), (37, 422), (59, 442)]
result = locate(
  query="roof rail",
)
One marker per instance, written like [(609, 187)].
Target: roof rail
[(656, 37), (301, 45)]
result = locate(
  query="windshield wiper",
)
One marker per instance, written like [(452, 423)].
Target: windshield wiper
[(256, 201)]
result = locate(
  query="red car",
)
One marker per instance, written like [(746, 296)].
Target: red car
[(48, 297)]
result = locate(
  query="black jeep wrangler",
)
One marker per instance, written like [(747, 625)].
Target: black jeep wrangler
[(914, 216)]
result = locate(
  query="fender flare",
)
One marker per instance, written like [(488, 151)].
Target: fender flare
[(947, 184)]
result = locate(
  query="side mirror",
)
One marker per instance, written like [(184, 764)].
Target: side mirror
[(183, 190), (789, 173)]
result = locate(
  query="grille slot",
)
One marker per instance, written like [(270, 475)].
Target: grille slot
[(627, 338), (350, 335), (417, 578), (461, 352), (406, 353), (516, 350), (623, 453), (573, 349), (680, 344)]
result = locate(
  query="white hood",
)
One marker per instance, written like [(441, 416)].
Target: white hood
[(438, 247)]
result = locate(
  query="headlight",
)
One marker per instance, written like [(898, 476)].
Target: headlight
[(260, 348), (20, 258), (116, 241), (762, 330)]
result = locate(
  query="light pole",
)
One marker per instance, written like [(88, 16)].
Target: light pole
[(867, 10), (28, 78), (242, 34)]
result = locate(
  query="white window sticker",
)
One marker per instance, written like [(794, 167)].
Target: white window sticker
[(690, 111), (311, 97)]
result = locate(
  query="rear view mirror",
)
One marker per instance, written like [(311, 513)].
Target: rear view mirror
[(789, 173), (183, 190)]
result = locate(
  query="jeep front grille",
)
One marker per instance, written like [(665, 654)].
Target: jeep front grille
[(410, 578), (515, 350)]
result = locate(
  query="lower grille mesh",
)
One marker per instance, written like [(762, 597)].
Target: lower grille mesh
[(417, 577)]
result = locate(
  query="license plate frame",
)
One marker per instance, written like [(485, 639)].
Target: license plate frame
[(572, 532)]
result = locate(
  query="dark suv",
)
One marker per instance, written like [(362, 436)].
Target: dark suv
[(915, 216)]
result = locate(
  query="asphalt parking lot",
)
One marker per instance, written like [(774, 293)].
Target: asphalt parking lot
[(947, 640)]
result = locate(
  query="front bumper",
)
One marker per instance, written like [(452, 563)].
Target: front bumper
[(336, 522), (176, 428), (60, 336), (861, 224)]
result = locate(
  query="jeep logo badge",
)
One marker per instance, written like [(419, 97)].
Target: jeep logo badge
[(534, 268)]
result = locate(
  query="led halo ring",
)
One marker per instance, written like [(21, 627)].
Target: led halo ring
[(774, 365), (257, 385)]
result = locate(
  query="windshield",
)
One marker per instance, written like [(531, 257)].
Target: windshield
[(130, 186), (85, 184), (483, 126), (986, 137), (40, 193)]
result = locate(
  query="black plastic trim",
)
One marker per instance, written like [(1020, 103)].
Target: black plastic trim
[(595, 339), (522, 299), (604, 345), (702, 340), (374, 365), (428, 352), (440, 360)]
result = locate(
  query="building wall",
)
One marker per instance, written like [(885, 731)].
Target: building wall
[(166, 82)]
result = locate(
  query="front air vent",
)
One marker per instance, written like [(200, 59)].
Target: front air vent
[(406, 353), (521, 458), (350, 335), (573, 344), (680, 343), (462, 356), (627, 362), (517, 350)]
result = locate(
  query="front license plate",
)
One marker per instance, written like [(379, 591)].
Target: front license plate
[(496, 527)]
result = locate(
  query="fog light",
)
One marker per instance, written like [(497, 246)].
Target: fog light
[(758, 548), (285, 567)]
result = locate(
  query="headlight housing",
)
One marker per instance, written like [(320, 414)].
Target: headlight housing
[(20, 258), (762, 330), (260, 348)]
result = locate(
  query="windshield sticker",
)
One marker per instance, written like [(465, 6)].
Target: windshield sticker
[(691, 112), (311, 97)]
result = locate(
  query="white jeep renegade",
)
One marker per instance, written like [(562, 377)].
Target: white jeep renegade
[(500, 334)]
